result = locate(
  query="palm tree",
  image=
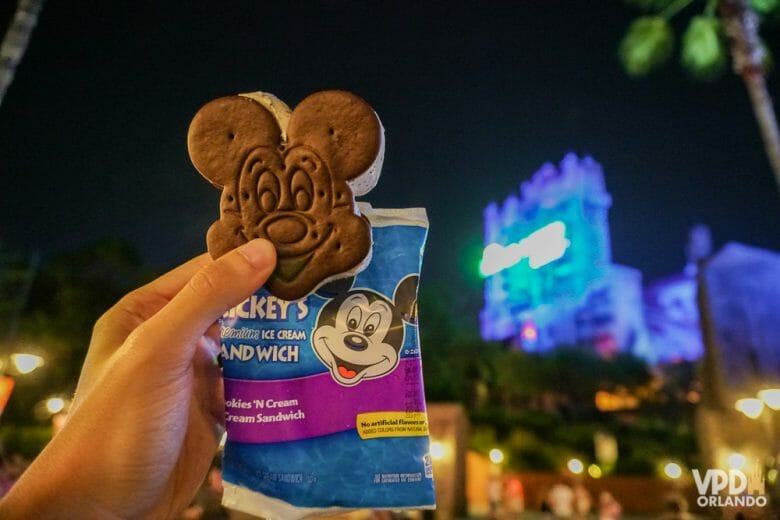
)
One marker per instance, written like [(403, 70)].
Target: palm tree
[(740, 24), (16, 39), (724, 27)]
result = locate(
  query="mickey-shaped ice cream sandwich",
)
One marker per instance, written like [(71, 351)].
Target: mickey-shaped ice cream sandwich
[(291, 178)]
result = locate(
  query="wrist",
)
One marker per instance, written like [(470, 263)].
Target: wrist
[(51, 488)]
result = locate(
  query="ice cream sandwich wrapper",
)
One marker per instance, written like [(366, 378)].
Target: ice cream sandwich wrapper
[(325, 405)]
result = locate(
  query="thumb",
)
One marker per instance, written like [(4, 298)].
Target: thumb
[(175, 330)]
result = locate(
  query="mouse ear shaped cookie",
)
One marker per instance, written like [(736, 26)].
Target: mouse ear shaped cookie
[(345, 131), (292, 179), (223, 130), (219, 137)]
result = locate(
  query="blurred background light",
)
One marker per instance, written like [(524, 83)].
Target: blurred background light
[(437, 450), (673, 470), (750, 406), (770, 397), (736, 460), (545, 245), (496, 456), (55, 405), (575, 466), (594, 471), (26, 363)]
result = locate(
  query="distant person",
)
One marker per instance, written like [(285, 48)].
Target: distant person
[(561, 500), (582, 501), (675, 507), (10, 470), (515, 496), (6, 480), (544, 507), (495, 496), (609, 508)]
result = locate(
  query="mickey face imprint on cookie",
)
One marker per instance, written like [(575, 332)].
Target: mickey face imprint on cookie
[(292, 191)]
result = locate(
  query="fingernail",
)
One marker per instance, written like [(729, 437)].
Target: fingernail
[(258, 252)]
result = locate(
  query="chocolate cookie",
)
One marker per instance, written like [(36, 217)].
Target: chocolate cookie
[(294, 186)]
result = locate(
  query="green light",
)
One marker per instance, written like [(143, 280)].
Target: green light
[(545, 245)]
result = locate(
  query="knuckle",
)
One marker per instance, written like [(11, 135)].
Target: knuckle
[(110, 319), (133, 304), (130, 311), (205, 283), (103, 323)]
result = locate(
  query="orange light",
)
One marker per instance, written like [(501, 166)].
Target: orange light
[(613, 402), (529, 332)]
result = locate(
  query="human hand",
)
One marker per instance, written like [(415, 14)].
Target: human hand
[(145, 420)]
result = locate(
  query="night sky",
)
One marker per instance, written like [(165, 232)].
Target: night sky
[(474, 98)]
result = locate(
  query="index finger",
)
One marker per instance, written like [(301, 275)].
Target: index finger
[(139, 305), (120, 320), (169, 284)]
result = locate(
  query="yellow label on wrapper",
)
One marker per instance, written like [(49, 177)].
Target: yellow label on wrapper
[(372, 425)]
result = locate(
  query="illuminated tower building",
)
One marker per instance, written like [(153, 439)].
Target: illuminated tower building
[(549, 276)]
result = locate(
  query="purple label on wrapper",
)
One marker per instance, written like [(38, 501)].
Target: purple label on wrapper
[(292, 409)]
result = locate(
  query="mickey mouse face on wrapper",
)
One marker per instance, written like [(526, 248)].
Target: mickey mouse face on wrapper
[(294, 186)]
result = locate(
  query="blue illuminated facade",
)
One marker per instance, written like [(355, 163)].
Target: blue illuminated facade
[(574, 295)]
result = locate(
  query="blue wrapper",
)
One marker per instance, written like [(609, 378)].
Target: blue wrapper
[(325, 407)]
